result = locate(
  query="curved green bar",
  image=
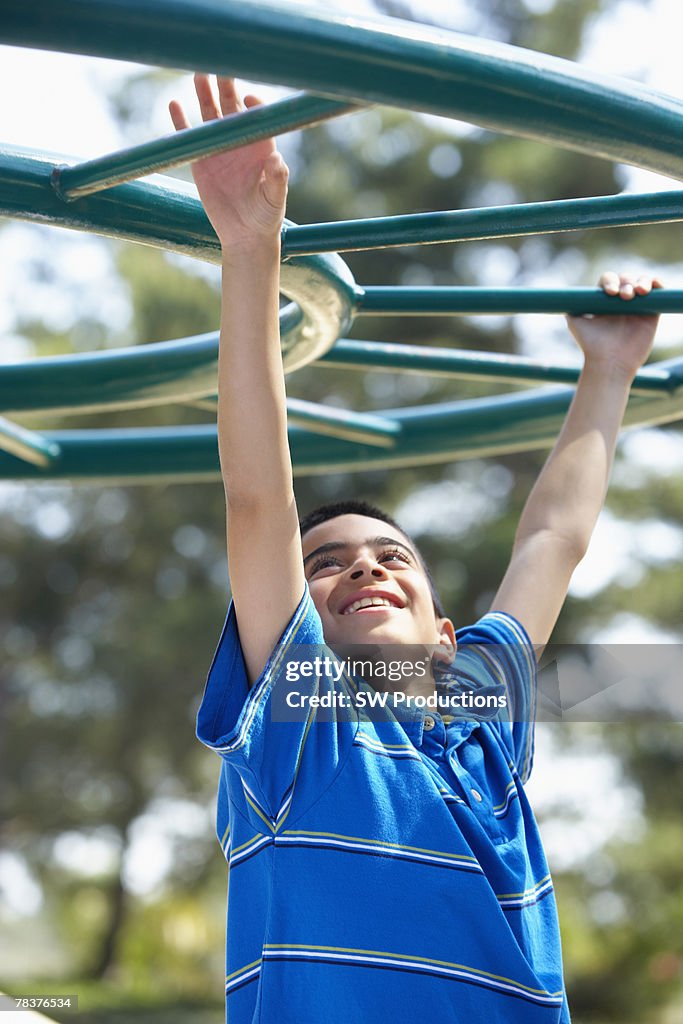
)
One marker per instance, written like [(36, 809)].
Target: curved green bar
[(380, 60), (485, 222), (441, 433), (130, 378), (185, 370), (166, 214)]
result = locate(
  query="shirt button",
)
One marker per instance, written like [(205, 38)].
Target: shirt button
[(477, 795), (429, 722)]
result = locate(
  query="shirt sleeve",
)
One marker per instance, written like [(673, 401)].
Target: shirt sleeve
[(252, 728), (498, 648)]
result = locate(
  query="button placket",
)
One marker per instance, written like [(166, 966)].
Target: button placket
[(473, 796), (434, 736)]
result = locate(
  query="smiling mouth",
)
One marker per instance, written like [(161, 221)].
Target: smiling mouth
[(369, 604)]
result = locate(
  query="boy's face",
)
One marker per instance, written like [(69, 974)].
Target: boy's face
[(352, 558)]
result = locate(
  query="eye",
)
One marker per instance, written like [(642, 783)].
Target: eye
[(325, 562), (394, 555)]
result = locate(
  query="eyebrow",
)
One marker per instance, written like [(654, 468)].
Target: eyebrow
[(375, 542)]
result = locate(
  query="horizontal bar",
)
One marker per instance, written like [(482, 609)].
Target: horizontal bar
[(365, 428), (230, 132), (466, 365), (485, 222), (27, 445), (376, 60), (390, 301)]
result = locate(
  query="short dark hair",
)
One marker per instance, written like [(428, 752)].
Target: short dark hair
[(351, 507)]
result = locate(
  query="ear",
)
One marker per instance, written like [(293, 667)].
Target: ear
[(446, 641)]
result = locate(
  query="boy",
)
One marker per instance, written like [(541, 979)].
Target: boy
[(382, 867)]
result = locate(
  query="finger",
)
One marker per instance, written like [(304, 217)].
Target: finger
[(644, 285), (609, 282), (657, 282), (228, 96), (205, 95), (178, 116), (626, 287), (252, 101)]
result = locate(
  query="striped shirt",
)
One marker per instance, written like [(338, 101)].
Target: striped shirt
[(382, 867)]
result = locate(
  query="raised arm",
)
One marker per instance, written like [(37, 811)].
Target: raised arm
[(244, 194), (564, 504)]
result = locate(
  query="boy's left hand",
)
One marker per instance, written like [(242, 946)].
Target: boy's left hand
[(621, 342)]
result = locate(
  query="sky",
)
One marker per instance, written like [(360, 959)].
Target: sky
[(57, 102)]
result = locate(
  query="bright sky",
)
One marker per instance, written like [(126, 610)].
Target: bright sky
[(57, 102)]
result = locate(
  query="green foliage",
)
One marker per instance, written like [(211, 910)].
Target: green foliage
[(623, 920), (165, 297)]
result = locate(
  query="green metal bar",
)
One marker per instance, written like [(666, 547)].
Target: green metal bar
[(350, 426), (365, 428), (185, 370), (182, 370), (129, 378), (171, 217), (442, 433), (462, 364), (188, 453), (27, 445), (486, 222), (390, 301), (165, 213), (382, 60), (276, 118)]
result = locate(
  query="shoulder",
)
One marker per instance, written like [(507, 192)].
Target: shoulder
[(496, 627)]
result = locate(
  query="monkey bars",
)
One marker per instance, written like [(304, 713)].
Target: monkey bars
[(342, 64)]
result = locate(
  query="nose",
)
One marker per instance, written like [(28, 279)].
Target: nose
[(365, 565)]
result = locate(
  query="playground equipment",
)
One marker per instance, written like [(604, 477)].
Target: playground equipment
[(348, 63)]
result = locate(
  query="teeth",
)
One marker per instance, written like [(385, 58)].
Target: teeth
[(365, 602)]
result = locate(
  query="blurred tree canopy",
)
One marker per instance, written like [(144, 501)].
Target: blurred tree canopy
[(113, 597)]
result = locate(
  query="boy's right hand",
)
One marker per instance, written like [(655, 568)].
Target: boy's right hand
[(244, 190)]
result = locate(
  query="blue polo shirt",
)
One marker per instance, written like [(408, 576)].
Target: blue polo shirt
[(384, 867)]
